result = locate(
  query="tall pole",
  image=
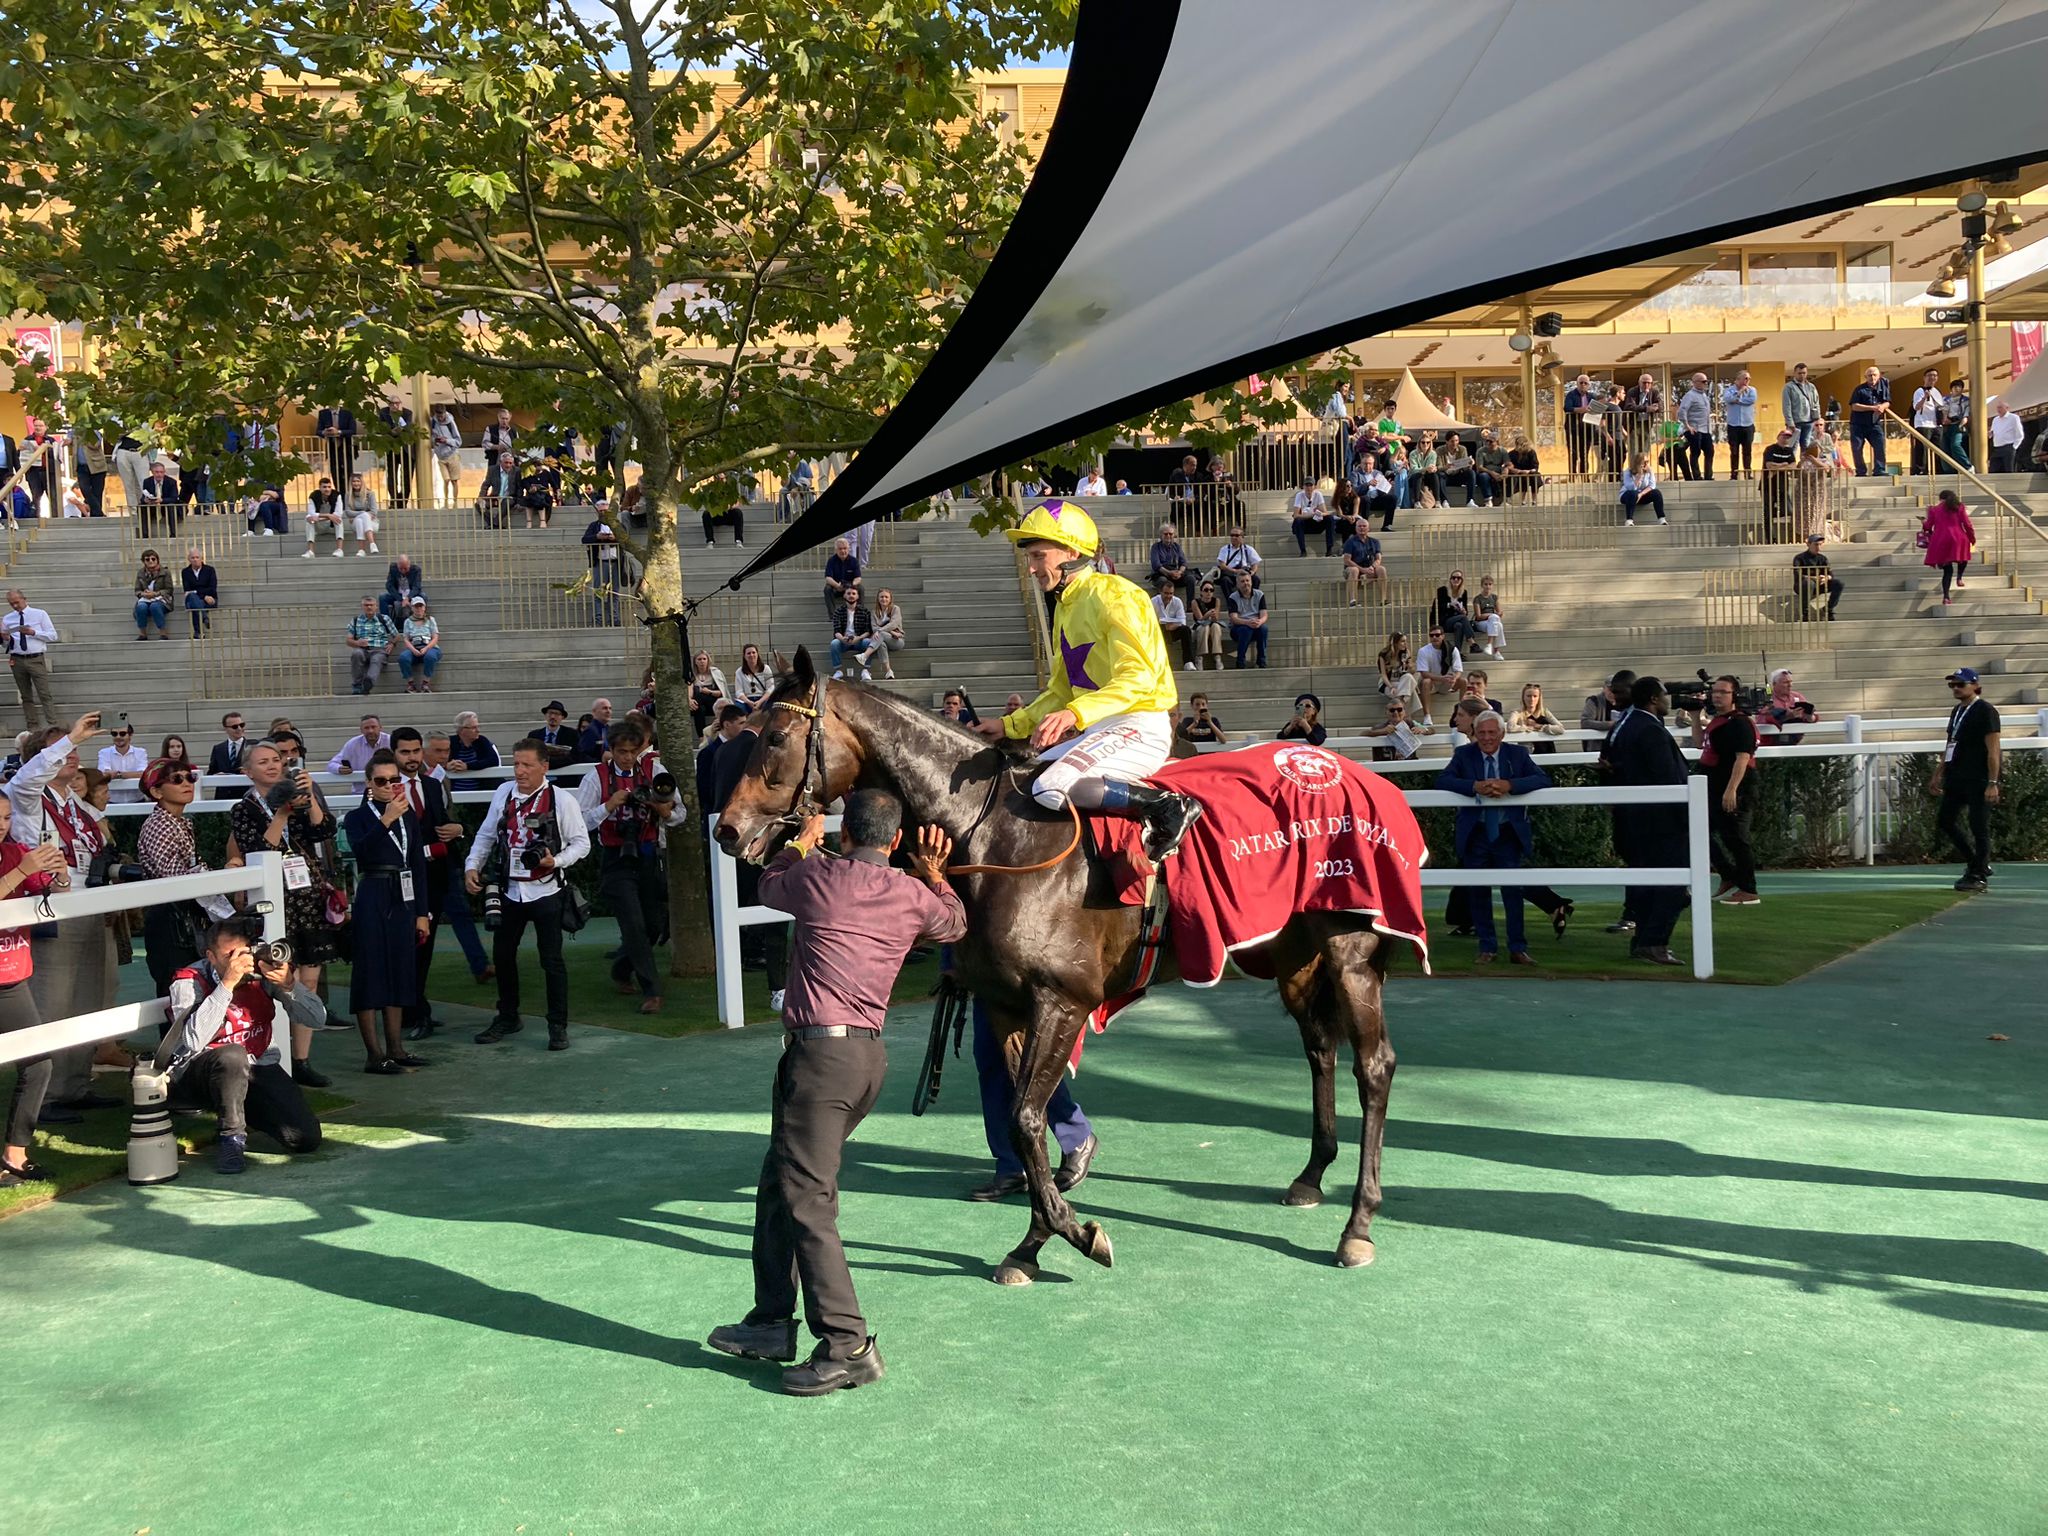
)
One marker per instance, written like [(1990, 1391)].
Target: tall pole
[(1529, 373), (424, 491), (1974, 226)]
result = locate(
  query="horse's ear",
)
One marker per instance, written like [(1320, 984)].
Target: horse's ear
[(801, 669)]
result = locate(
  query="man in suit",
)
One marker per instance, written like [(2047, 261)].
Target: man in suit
[(226, 756), (10, 457), (500, 491), (1490, 833), (201, 585), (336, 426), (558, 740), (429, 801), (161, 511), (1639, 750), (402, 581)]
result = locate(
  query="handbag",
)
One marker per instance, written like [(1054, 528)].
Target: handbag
[(575, 912)]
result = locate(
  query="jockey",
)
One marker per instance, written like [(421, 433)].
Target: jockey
[(1106, 720)]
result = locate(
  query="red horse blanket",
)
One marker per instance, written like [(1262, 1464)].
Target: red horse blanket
[(1287, 828)]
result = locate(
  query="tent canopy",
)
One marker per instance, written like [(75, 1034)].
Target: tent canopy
[(1218, 194), (1417, 412)]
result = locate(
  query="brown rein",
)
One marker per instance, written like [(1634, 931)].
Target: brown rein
[(1024, 869)]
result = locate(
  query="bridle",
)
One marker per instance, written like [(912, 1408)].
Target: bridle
[(808, 799)]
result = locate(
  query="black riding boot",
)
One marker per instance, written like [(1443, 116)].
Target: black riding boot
[(1167, 817)]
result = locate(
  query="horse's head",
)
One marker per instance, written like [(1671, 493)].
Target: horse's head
[(805, 758)]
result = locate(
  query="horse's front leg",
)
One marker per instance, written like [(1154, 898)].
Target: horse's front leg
[(1047, 1044)]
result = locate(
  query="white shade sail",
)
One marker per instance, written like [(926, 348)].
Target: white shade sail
[(1232, 185)]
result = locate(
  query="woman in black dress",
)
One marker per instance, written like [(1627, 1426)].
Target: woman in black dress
[(298, 827), (389, 919)]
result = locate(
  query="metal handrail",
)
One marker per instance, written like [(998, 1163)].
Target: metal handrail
[(2004, 555)]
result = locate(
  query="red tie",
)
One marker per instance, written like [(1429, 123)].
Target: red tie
[(419, 804)]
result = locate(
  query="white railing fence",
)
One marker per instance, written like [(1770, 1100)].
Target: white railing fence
[(728, 917), (262, 878)]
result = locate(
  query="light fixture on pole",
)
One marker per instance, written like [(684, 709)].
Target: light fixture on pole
[(1943, 287), (2005, 220)]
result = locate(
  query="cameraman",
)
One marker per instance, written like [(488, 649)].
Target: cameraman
[(543, 834), (631, 800), (1726, 741), (221, 1048)]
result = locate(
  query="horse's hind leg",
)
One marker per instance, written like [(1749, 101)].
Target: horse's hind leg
[(1357, 978), (1048, 1043), (1305, 992)]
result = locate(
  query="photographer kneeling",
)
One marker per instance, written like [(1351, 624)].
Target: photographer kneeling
[(221, 1050), (631, 801)]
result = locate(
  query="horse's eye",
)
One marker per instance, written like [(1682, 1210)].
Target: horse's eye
[(775, 741)]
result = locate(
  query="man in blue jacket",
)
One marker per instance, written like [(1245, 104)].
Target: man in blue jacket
[(1491, 834)]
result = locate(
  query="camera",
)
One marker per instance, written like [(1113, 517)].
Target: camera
[(282, 793), (108, 868), (661, 788), (494, 907), (541, 843), (265, 952), (1693, 697)]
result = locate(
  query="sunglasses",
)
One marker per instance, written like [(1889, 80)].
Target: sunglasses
[(384, 779), (179, 776)]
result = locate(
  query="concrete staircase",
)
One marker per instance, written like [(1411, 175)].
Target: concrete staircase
[(1573, 616)]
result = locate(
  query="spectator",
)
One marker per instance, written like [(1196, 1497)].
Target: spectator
[(123, 764), (1926, 416), (1602, 709), (556, 737), (152, 597), (1013, 703), (1462, 469), (1949, 536), (841, 572), (732, 720), (888, 617), (1169, 559), (1399, 734), (499, 493), (1812, 483), (267, 514), (1576, 437), (1201, 726), (1475, 687), (1425, 473), (853, 630), (1362, 564), (1248, 619), (1639, 751), (221, 1050), (1786, 706), (1869, 403), (501, 437), (1209, 621), (226, 756), (472, 749), (1440, 671), (1955, 422), (1780, 465), (593, 735), (1306, 724), (2039, 457), (1800, 405), (24, 871), (389, 920), (1738, 416), (165, 848), (1451, 610), (953, 706), (1639, 488), (371, 642), (733, 517), (161, 508), (1533, 718), (1395, 465), (446, 439), (419, 648), (359, 506), (1375, 490), (1813, 583), (1310, 515), (337, 424), (1347, 512), (356, 752), (2006, 432), (1397, 671), (753, 681), (289, 817), (543, 834), (1092, 483), (173, 754), (1172, 614), (1491, 469), (1726, 742), (1487, 620), (1491, 834), (1696, 418), (1966, 776), (201, 584), (1235, 558), (540, 489), (403, 581), (1523, 477), (707, 692)]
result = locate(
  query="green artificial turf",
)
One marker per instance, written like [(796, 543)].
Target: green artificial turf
[(1699, 1266)]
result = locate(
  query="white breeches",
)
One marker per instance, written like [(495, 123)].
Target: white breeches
[(1125, 747)]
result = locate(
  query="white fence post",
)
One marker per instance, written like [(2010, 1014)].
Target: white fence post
[(1859, 790), (725, 929), (2041, 722), (1698, 862)]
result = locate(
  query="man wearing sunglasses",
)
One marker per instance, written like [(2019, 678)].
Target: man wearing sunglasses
[(123, 763), (226, 756), (1966, 778)]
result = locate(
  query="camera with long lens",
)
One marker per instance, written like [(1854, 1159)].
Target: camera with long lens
[(109, 868), (1693, 697), (659, 790), (266, 953)]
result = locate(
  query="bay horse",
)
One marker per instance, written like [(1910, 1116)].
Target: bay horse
[(1045, 943)]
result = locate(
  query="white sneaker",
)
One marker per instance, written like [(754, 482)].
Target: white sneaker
[(866, 676), (337, 551), (1626, 522), (373, 549), (836, 676), (360, 552), (270, 533), (1188, 666), (249, 533), (775, 1001), (308, 554), (739, 543), (1663, 521)]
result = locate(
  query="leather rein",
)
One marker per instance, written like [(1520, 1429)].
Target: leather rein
[(807, 802)]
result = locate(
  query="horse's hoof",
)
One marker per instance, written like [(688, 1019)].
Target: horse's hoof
[(1354, 1253), (1098, 1244), (1300, 1194), (1010, 1272)]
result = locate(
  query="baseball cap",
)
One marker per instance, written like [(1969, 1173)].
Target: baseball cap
[(1962, 675), (1815, 538)]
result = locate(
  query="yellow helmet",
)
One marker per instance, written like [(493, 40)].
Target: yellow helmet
[(1062, 523)]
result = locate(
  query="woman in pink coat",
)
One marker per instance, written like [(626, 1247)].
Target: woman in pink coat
[(1950, 537)]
